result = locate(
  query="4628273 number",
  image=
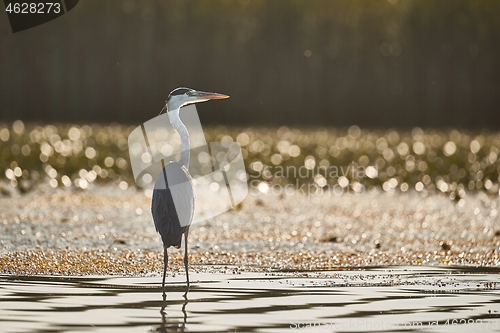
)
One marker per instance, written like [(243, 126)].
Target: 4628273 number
[(33, 8)]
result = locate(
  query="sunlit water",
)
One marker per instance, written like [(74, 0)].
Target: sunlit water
[(383, 299)]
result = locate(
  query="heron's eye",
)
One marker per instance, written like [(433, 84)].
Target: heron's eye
[(190, 93)]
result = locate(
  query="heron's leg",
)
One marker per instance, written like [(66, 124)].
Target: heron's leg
[(165, 264), (186, 259)]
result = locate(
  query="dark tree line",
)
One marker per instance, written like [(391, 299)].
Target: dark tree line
[(372, 63)]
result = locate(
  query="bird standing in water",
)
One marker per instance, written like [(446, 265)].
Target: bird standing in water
[(173, 195)]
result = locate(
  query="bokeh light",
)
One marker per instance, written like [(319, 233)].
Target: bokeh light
[(448, 161)]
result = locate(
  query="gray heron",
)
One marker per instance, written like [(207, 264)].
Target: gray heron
[(172, 220)]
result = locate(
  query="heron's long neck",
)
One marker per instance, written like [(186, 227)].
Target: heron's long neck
[(179, 126)]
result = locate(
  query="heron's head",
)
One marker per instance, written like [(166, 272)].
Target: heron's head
[(183, 96)]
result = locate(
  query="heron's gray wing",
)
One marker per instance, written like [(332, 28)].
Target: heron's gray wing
[(181, 187), (173, 203)]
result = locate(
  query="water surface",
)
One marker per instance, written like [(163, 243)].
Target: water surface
[(384, 299)]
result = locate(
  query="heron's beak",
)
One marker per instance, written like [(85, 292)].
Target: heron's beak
[(209, 95)]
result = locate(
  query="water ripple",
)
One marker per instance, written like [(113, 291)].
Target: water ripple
[(390, 299)]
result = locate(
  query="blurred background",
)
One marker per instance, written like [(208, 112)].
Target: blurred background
[(337, 63), (406, 89)]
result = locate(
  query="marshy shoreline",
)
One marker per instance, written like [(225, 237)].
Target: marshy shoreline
[(106, 230)]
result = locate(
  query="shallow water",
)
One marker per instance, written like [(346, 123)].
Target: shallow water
[(384, 299)]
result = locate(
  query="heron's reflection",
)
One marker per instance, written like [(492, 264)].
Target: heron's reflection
[(174, 325)]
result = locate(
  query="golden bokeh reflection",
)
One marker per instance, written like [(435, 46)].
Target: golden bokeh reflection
[(423, 160)]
